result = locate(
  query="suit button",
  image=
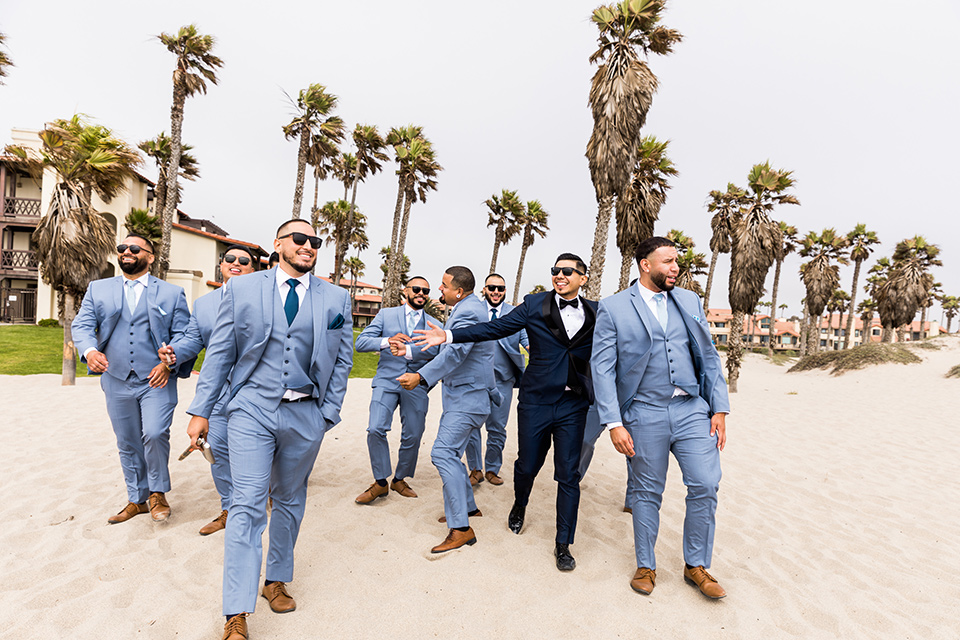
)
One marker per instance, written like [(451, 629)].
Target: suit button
[(288, 335), (286, 362), (288, 348)]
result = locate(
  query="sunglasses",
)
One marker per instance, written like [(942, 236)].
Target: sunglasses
[(496, 287), (133, 248), (424, 290), (243, 260), (300, 238), (567, 271)]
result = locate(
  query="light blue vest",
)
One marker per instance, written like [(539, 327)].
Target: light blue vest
[(130, 346), (670, 364), (286, 359)]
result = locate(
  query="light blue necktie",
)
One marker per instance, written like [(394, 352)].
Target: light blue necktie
[(292, 304), (661, 299), (411, 323), (131, 295)]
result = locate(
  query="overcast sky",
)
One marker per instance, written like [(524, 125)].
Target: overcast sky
[(858, 98)]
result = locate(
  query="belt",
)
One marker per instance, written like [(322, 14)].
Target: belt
[(303, 399)]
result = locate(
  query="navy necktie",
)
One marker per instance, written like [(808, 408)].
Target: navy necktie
[(493, 313), (292, 303)]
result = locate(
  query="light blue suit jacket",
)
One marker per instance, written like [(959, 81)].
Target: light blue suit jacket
[(167, 314), (388, 323), (244, 322), (621, 348), (200, 329), (466, 368)]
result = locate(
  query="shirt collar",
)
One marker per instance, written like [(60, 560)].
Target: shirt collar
[(411, 310), (559, 298), (142, 280), (282, 278), (646, 294)]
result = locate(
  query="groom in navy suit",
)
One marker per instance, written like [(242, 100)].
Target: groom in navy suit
[(555, 391), (660, 389)]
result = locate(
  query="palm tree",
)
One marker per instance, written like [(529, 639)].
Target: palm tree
[(867, 308), (5, 60), (143, 223), (839, 301), (691, 264), (504, 216), (332, 223), (638, 207), (313, 108), (788, 246), (534, 221), (819, 276), (321, 155), (400, 138), (403, 273), (344, 168), (933, 294), (73, 241), (755, 244), (950, 306), (926, 256), (159, 149), (621, 93), (354, 266), (195, 67), (860, 241), (726, 207)]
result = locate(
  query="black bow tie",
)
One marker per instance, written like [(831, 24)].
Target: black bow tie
[(575, 303)]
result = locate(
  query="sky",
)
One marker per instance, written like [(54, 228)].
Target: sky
[(858, 99)]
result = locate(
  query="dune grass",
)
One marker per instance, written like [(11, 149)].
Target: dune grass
[(857, 358), (953, 373)]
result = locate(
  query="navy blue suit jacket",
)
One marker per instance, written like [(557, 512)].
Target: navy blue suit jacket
[(556, 362)]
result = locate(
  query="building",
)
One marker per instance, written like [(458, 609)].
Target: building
[(367, 303), (19, 216)]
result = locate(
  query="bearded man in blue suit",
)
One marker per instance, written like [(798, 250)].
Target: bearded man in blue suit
[(284, 340), (659, 389), (121, 324)]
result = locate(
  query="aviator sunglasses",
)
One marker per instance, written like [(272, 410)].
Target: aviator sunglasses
[(567, 271), (134, 248), (299, 238), (424, 290), (496, 287), (243, 260)]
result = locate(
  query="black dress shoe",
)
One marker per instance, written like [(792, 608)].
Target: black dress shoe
[(515, 519), (565, 561)]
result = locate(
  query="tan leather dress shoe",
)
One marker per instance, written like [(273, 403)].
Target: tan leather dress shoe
[(707, 584), (476, 477), (401, 487), (644, 580), (476, 513), (236, 628), (219, 524), (628, 510), (159, 509), (373, 492), (132, 509), (493, 478), (280, 601), (455, 539)]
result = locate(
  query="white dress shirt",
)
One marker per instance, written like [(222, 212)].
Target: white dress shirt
[(410, 316), (573, 319)]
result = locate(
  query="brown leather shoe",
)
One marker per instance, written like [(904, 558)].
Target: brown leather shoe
[(401, 487), (628, 510), (455, 539), (219, 524), (132, 509), (476, 477), (476, 513), (493, 478), (373, 492), (707, 584), (159, 509), (644, 580), (236, 628), (280, 601)]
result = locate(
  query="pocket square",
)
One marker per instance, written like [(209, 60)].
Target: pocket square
[(160, 309), (337, 322)]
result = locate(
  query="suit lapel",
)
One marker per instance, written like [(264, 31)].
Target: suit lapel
[(589, 319), (267, 299), (319, 317), (151, 304), (551, 316), (642, 310)]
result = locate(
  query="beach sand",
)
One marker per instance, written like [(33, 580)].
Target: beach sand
[(838, 517)]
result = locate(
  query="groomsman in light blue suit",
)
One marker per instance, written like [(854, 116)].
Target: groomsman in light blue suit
[(508, 365), (468, 389), (121, 324), (396, 324), (659, 389), (237, 261), (284, 339)]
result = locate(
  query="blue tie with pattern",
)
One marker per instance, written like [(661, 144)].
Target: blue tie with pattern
[(292, 303), (131, 295), (661, 299)]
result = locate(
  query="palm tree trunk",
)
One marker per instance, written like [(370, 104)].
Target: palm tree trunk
[(773, 306), (401, 241), (734, 351), (626, 261), (706, 295), (803, 332), (923, 319), (848, 341), (527, 241), (598, 253), (69, 370), (173, 173), (344, 238), (397, 212), (301, 170), (496, 247), (901, 333), (160, 195)]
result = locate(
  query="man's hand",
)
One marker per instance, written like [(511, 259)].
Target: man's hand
[(409, 381), (198, 427), (432, 337), (718, 425), (167, 355), (159, 376), (622, 441), (97, 362), (398, 344)]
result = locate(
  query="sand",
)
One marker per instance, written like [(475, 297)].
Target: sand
[(838, 517)]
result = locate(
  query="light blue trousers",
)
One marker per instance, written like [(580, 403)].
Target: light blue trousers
[(413, 415), (453, 434), (220, 469), (496, 426)]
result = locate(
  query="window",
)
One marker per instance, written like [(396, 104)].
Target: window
[(875, 331), (720, 325), (722, 338), (823, 343)]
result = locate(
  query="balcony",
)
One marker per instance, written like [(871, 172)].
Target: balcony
[(26, 209), (18, 261)]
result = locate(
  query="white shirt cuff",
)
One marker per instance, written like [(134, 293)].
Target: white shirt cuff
[(87, 352), (409, 354), (384, 343), (612, 425), (449, 336)]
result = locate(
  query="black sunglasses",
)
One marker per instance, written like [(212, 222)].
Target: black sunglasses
[(243, 260), (134, 248), (567, 271), (299, 238), (496, 287), (424, 290)]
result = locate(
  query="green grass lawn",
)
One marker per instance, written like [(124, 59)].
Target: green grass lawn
[(29, 349)]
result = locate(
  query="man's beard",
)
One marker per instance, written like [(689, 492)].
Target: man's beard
[(299, 267), (416, 305), (660, 280), (493, 304), (136, 266)]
